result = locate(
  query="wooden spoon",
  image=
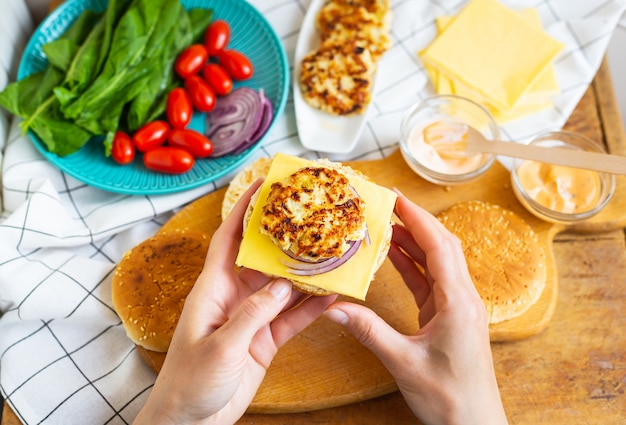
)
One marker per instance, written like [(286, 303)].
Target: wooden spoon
[(457, 140)]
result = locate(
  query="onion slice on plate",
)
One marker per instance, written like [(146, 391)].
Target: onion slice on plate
[(267, 114), (238, 120)]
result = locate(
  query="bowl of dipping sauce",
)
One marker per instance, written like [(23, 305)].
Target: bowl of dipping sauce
[(433, 127), (557, 193)]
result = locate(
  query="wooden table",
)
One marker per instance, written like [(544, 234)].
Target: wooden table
[(574, 372)]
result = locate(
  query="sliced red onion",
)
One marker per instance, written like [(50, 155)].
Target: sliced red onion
[(306, 260), (266, 120), (235, 120), (303, 268)]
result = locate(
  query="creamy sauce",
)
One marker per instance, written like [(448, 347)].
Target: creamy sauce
[(439, 156), (562, 189)]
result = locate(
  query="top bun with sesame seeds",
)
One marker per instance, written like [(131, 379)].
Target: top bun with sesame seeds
[(151, 282), (505, 260)]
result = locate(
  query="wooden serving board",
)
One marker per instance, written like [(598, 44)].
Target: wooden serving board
[(324, 366)]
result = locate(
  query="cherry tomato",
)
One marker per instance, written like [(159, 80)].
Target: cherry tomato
[(122, 148), (191, 60), (218, 79), (200, 93), (196, 143), (178, 108), (151, 135), (236, 64), (216, 37), (168, 159)]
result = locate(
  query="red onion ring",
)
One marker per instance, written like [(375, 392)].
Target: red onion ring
[(302, 268), (238, 121), (306, 260), (266, 119)]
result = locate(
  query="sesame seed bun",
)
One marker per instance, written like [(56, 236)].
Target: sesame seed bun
[(505, 260), (242, 181), (152, 281)]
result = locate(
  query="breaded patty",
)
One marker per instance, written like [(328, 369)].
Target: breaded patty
[(337, 78), (378, 8), (314, 213), (366, 22)]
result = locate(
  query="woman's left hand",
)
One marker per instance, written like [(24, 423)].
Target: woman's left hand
[(231, 327)]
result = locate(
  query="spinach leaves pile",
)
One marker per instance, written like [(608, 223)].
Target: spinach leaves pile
[(108, 71)]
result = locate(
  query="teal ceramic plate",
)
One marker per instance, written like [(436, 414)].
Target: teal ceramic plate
[(251, 34)]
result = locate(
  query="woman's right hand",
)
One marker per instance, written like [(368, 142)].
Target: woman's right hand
[(445, 371)]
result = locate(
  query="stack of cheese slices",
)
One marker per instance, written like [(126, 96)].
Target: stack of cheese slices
[(496, 56)]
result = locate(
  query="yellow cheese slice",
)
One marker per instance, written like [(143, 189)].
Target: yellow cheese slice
[(352, 278), (546, 84), (525, 106), (491, 49)]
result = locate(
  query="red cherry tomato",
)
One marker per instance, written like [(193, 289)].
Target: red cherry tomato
[(122, 148), (196, 143), (200, 93), (151, 135), (216, 37), (218, 79), (168, 159), (178, 108), (236, 64), (191, 60)]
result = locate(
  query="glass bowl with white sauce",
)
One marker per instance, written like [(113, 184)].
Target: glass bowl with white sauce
[(557, 193), (443, 116)]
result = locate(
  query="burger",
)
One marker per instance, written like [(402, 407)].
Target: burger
[(323, 225)]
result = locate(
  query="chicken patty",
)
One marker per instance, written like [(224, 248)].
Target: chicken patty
[(313, 214)]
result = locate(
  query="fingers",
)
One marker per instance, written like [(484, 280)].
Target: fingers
[(257, 311), (293, 321), (426, 230), (445, 261), (402, 237), (412, 276), (253, 280), (369, 329), (225, 242)]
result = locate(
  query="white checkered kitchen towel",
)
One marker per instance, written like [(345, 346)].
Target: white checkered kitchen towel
[(64, 356)]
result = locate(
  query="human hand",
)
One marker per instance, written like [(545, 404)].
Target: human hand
[(230, 329), (445, 371)]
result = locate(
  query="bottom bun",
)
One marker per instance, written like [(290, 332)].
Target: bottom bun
[(154, 359), (151, 283)]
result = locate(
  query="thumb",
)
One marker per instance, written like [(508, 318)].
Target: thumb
[(258, 310), (368, 328)]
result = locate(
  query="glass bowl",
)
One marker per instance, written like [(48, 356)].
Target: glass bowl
[(424, 159), (561, 194)]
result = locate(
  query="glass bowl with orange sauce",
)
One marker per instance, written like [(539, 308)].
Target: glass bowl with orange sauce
[(557, 193), (423, 156)]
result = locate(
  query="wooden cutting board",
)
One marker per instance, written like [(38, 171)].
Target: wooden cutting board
[(324, 366)]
